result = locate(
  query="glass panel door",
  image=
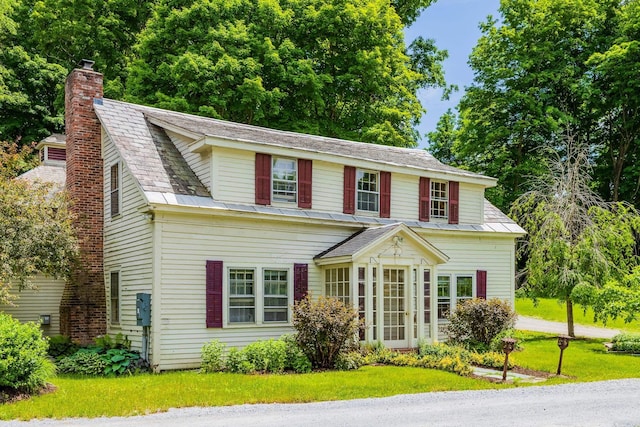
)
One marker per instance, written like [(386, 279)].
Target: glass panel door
[(395, 308)]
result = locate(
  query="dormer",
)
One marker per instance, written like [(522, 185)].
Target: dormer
[(52, 150)]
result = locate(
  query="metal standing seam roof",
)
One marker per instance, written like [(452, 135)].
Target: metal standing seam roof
[(166, 178)]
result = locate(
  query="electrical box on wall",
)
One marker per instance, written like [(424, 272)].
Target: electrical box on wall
[(143, 309)]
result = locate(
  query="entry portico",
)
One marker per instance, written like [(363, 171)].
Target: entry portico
[(386, 272)]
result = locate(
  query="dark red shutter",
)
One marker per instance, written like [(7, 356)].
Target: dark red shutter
[(424, 199), (481, 284), (300, 281), (263, 179), (349, 193), (305, 171), (454, 190), (385, 194), (214, 294)]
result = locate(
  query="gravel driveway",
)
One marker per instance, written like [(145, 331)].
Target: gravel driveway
[(607, 403)]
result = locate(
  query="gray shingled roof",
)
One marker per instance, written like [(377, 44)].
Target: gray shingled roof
[(52, 174)]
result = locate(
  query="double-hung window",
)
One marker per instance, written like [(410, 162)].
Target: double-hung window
[(368, 191), (444, 297), (114, 297), (337, 283), (242, 300), (464, 288), (284, 180), (451, 293), (276, 297), (115, 189), (439, 200)]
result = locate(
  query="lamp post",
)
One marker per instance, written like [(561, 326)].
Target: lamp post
[(563, 342), (508, 344)]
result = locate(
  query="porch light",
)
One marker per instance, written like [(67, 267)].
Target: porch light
[(563, 342), (508, 344), (45, 319)]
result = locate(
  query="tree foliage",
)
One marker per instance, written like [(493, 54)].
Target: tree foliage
[(543, 67), (36, 235), (337, 68), (575, 239)]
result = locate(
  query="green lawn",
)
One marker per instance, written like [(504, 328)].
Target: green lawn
[(584, 360), (551, 309)]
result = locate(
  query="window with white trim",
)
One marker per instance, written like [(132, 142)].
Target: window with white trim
[(464, 288), (367, 191), (451, 293), (337, 283), (114, 296), (114, 180), (242, 300), (276, 296), (439, 199), (284, 180), (444, 297)]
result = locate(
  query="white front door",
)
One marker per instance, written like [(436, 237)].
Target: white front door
[(395, 328)]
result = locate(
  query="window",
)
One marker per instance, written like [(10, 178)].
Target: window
[(242, 296), (336, 282), (444, 296), (439, 200), (367, 193), (464, 288), (284, 180), (114, 283), (115, 189), (276, 299)]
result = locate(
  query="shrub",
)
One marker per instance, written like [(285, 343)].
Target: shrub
[(83, 362), (296, 359), (325, 328), (445, 357), (491, 359), (267, 356), (475, 323), (106, 342), (349, 361), (497, 345), (626, 342), (61, 346), (212, 360), (237, 362), (23, 355), (119, 361)]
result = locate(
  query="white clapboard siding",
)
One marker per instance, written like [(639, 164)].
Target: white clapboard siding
[(187, 245), (128, 248), (233, 177), (327, 186), (31, 303), (200, 163), (404, 196), (471, 204)]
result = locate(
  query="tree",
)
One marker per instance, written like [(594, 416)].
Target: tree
[(337, 68), (531, 83), (576, 241), (36, 234)]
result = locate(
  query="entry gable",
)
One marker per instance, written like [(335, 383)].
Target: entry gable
[(388, 240)]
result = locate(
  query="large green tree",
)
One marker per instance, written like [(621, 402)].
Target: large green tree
[(532, 82), (36, 234), (338, 68)]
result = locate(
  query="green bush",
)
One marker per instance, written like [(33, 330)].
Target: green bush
[(61, 346), (212, 357), (475, 323), (267, 356), (237, 362), (626, 342), (296, 359), (82, 362), (497, 345), (106, 342), (23, 355), (325, 328), (119, 361), (349, 361), (491, 360)]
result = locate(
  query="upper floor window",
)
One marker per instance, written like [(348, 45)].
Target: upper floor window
[(115, 189), (439, 200), (284, 180), (368, 191)]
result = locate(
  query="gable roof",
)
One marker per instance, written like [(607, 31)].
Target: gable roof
[(367, 238)]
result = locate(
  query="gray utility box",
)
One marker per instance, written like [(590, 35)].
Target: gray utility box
[(143, 309)]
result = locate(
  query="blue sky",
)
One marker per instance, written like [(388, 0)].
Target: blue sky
[(453, 24)]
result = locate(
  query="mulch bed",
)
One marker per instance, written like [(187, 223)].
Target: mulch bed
[(11, 395)]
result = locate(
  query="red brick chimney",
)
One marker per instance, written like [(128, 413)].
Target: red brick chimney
[(83, 305)]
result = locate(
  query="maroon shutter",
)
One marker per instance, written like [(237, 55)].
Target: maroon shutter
[(349, 193), (453, 201), (385, 194), (481, 284), (424, 199), (263, 179), (214, 294), (300, 281), (305, 170)]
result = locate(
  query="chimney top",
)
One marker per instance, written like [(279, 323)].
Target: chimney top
[(86, 64)]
